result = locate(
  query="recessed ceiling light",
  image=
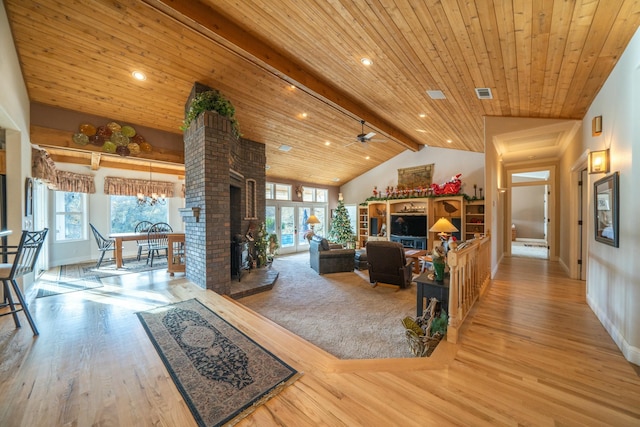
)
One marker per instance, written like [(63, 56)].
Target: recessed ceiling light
[(303, 115), (366, 61), (327, 143), (422, 115), (336, 179), (436, 94), (267, 167), (284, 148), (421, 130), (449, 141), (367, 158), (292, 87), (139, 75)]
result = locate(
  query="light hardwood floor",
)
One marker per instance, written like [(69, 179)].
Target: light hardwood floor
[(532, 354)]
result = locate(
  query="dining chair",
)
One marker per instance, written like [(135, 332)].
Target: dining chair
[(104, 244), (158, 240), (25, 256), (143, 244)]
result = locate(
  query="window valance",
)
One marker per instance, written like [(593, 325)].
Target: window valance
[(42, 167), (131, 187), (75, 182)]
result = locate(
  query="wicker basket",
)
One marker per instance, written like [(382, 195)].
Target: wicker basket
[(418, 332), (422, 345)]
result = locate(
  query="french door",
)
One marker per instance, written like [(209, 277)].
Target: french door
[(289, 221)]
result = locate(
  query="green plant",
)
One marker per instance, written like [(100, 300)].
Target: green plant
[(261, 245), (211, 100), (273, 245)]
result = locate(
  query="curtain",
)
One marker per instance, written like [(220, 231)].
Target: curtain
[(75, 182), (131, 187), (43, 168)]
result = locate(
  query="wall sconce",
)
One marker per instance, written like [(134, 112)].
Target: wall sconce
[(599, 161), (596, 126)]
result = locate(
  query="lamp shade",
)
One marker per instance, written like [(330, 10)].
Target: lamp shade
[(443, 225), (599, 161), (313, 220)]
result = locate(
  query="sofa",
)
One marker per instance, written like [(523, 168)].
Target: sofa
[(388, 263), (326, 258)]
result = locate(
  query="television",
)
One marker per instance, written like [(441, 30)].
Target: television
[(409, 225)]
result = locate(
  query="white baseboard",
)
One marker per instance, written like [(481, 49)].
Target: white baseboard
[(631, 353)]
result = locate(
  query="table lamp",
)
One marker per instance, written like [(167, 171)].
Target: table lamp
[(443, 227), (312, 221)]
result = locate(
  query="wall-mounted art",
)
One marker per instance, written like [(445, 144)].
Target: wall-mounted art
[(606, 207), (415, 177)]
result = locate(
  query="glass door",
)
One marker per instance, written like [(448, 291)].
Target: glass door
[(289, 221)]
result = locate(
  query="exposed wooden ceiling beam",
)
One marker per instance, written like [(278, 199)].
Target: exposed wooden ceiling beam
[(211, 24)]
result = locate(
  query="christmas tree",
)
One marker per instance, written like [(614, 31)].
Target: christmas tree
[(341, 226)]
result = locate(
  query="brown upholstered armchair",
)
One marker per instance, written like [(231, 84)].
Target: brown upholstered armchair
[(325, 258), (388, 263)]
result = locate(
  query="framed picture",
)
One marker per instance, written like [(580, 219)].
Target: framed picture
[(606, 207)]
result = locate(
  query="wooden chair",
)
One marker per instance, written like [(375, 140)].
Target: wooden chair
[(25, 256), (143, 227), (158, 240), (104, 245)]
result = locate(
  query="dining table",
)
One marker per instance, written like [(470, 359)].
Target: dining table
[(125, 237)]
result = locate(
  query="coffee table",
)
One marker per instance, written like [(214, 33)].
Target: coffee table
[(415, 255)]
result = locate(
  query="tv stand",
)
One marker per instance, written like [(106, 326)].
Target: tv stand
[(414, 242)]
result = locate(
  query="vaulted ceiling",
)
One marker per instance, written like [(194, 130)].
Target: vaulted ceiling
[(293, 70)]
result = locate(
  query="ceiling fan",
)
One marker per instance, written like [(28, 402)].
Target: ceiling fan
[(364, 138)]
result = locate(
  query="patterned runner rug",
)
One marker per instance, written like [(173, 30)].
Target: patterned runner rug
[(222, 374)]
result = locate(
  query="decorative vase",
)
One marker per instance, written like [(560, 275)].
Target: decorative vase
[(438, 268)]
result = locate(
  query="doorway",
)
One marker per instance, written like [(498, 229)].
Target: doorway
[(288, 220), (529, 212)]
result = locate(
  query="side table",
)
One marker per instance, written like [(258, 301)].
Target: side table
[(428, 288)]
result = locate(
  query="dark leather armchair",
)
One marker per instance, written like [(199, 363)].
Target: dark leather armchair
[(327, 258), (388, 263)]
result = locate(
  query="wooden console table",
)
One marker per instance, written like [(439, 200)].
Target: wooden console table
[(176, 255), (428, 288)]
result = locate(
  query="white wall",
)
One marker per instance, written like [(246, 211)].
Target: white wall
[(448, 163), (613, 279), (14, 116)]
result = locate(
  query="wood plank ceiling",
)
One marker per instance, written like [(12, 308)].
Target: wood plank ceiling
[(294, 74)]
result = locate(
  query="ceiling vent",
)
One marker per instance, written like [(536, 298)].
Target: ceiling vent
[(484, 93), (436, 94)]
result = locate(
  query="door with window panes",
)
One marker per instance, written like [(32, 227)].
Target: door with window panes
[(288, 219)]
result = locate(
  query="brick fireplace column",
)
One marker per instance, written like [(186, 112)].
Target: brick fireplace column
[(225, 181), (207, 149)]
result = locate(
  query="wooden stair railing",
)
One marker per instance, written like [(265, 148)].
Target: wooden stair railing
[(469, 274)]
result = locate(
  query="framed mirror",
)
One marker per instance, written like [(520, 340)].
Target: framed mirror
[(606, 207)]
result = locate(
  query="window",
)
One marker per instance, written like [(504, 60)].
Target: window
[(277, 191), (70, 215), (314, 194), (125, 213)]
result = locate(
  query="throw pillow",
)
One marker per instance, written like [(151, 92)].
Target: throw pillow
[(325, 245)]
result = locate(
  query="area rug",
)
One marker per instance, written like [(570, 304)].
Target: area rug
[(222, 374), (108, 268)]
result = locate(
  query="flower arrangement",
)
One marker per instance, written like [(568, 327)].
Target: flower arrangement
[(211, 100)]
